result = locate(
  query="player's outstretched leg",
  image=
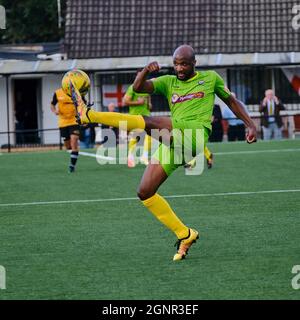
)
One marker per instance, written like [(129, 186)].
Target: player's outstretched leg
[(153, 177), (87, 115)]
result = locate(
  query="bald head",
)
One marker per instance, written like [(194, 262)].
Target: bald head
[(184, 52), (269, 93), (184, 62)]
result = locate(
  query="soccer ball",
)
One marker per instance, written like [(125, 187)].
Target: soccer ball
[(80, 80)]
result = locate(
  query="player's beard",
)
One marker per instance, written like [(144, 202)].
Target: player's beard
[(185, 75)]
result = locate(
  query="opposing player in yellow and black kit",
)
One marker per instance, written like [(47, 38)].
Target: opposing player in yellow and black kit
[(68, 127)]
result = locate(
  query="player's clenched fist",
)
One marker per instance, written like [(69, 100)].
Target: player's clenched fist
[(251, 135), (152, 67)]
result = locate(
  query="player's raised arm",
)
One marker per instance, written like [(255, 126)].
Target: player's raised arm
[(127, 101), (53, 104), (141, 84), (236, 107)]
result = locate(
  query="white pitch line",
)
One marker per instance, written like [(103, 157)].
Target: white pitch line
[(88, 154), (215, 153), (135, 198), (256, 151)]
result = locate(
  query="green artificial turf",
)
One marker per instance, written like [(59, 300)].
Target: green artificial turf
[(116, 249)]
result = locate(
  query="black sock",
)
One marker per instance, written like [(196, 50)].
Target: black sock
[(73, 158)]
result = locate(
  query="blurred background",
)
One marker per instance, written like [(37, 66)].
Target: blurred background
[(253, 45)]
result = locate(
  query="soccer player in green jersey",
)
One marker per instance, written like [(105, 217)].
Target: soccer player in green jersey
[(191, 96), (139, 104)]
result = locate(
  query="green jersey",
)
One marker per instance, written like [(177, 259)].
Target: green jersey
[(192, 100), (142, 109)]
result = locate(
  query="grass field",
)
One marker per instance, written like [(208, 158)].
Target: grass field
[(112, 248)]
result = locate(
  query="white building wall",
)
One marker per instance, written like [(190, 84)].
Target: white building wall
[(50, 83), (3, 113)]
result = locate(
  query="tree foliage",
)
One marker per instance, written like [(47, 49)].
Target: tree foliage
[(31, 21)]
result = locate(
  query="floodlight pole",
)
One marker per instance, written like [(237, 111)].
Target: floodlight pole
[(59, 13)]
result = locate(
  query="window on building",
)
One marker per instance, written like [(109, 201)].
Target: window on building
[(250, 84), (112, 87)]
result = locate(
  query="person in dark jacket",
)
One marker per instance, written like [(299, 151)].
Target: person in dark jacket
[(271, 121), (216, 124)]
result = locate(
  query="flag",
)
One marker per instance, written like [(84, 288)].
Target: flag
[(293, 75), (113, 93)]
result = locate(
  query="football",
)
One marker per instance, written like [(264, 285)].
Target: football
[(79, 79)]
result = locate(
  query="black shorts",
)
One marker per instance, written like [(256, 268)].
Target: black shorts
[(66, 132)]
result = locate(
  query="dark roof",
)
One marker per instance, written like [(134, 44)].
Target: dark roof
[(121, 28)]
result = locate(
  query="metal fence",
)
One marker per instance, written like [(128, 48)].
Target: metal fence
[(24, 140), (20, 140)]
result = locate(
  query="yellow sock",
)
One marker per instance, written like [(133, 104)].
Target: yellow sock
[(192, 162), (113, 119), (147, 143), (131, 145), (163, 212), (207, 153)]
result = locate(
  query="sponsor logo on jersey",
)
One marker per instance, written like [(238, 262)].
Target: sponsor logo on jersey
[(178, 99)]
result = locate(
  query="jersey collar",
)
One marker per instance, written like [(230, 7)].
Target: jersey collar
[(193, 78)]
